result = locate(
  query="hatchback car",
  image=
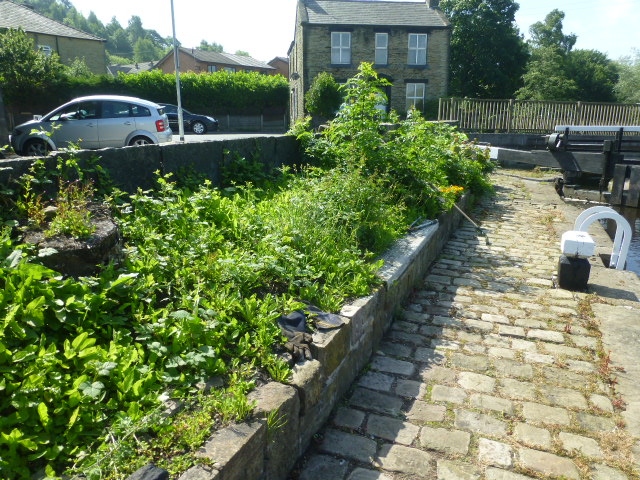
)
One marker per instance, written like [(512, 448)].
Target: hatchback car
[(96, 121), (193, 122)]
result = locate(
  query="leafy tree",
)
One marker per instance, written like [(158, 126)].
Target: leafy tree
[(79, 69), (546, 77), (144, 50), (323, 97), (549, 33), (210, 47), (594, 74), (488, 53), (628, 87), (23, 69), (557, 72), (242, 53)]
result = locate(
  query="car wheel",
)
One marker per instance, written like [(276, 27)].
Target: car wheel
[(199, 128), (36, 148), (139, 141)]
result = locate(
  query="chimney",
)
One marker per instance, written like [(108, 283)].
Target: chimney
[(433, 3)]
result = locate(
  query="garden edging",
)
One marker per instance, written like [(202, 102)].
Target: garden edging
[(297, 411)]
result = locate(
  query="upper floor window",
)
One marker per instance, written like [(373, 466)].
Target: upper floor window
[(417, 49), (340, 48), (415, 96), (382, 48)]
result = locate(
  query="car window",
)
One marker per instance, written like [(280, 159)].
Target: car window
[(112, 109), (77, 111), (170, 109), (140, 111)]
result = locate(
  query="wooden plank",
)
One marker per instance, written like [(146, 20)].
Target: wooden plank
[(617, 188), (585, 162), (633, 196)]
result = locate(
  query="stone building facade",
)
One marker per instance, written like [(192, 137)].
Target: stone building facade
[(407, 43), (54, 37)]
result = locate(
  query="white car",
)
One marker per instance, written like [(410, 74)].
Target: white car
[(92, 122)]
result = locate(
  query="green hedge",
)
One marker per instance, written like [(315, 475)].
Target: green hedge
[(219, 93)]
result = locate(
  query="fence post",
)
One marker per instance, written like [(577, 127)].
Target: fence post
[(509, 115)]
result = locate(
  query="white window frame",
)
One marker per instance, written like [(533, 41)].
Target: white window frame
[(382, 49), (46, 50), (416, 93), (417, 51), (341, 48)]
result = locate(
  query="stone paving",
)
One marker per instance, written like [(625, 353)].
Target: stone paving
[(490, 372)]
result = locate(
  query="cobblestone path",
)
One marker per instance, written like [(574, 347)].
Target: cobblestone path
[(490, 372)]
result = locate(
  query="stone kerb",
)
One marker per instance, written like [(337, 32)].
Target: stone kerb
[(259, 451)]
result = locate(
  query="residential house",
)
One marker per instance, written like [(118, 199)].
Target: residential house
[(281, 64), (55, 37), (203, 61), (407, 42)]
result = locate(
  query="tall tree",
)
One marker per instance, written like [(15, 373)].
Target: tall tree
[(488, 53), (210, 47), (628, 87), (557, 72), (549, 33)]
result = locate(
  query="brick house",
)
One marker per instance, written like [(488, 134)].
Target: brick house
[(55, 37), (281, 64), (203, 61), (407, 43)]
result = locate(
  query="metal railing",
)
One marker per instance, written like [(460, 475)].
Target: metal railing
[(532, 116)]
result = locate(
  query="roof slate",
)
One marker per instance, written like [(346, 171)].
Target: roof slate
[(225, 58), (368, 12), (17, 16)]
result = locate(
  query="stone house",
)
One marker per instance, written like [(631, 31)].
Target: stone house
[(203, 61), (55, 37), (407, 42)]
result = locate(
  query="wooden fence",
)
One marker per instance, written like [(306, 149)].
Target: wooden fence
[(531, 116)]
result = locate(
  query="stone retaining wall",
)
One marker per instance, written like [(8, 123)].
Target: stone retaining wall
[(131, 168), (251, 451)]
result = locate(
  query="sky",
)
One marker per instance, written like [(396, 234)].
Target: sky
[(265, 28)]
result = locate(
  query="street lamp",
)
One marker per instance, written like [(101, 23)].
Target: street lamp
[(177, 65)]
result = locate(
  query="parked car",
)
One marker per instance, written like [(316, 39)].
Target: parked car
[(192, 122), (96, 121)]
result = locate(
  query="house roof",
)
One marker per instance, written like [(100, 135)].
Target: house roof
[(131, 68), (225, 58), (371, 12), (17, 16)]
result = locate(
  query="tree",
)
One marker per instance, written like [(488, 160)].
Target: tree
[(242, 53), (144, 51), (549, 33), (488, 53), (628, 87), (557, 72), (546, 77), (323, 97), (594, 74), (23, 69), (210, 47)]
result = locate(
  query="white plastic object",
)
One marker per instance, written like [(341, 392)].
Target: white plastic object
[(576, 243)]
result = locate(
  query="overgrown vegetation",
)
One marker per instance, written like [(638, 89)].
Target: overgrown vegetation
[(89, 362)]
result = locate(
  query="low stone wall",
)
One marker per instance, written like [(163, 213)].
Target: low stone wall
[(251, 451), (131, 168)]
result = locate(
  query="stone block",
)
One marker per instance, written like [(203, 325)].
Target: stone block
[(237, 451)]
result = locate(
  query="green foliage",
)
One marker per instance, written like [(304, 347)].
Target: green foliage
[(407, 160), (323, 97), (549, 34), (488, 54), (628, 87), (87, 363), (23, 69)]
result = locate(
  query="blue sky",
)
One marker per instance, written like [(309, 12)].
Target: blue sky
[(264, 28)]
